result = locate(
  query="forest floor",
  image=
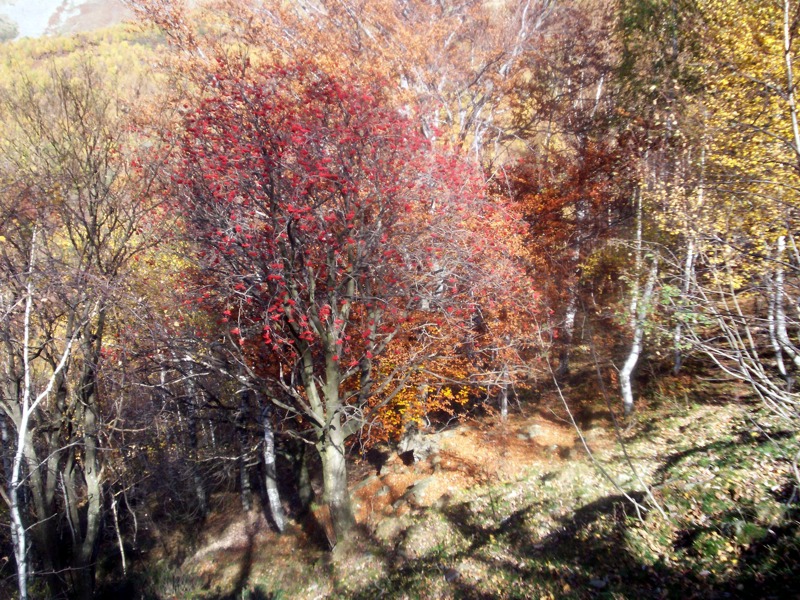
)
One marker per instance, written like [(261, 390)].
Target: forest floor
[(698, 502)]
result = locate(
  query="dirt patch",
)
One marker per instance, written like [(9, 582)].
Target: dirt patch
[(469, 456), (236, 551)]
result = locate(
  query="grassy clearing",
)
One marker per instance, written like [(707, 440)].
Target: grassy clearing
[(559, 529)]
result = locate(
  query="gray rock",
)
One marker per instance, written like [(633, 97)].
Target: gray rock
[(416, 446), (399, 502), (418, 489), (624, 478), (443, 501), (365, 482), (535, 431), (593, 434), (553, 449)]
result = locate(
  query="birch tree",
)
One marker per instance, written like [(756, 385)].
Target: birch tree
[(72, 215)]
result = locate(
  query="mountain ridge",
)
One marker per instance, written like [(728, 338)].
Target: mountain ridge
[(37, 18)]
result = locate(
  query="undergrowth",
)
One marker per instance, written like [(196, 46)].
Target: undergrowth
[(719, 467)]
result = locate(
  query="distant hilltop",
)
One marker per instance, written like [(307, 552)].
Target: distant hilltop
[(36, 18)]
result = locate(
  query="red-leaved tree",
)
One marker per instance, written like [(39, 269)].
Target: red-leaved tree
[(328, 231)]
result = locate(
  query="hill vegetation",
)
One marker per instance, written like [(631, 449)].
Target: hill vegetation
[(458, 299)]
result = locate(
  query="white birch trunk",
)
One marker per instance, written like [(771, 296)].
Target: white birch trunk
[(638, 312), (638, 337), (790, 89), (119, 534), (568, 333), (781, 332), (28, 407), (271, 480), (243, 439), (773, 333), (504, 394)]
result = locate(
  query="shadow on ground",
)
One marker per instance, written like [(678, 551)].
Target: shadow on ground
[(577, 560)]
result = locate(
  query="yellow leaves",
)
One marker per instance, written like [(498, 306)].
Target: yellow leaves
[(743, 158), (419, 398)]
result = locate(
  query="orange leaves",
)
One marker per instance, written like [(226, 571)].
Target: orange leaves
[(572, 202)]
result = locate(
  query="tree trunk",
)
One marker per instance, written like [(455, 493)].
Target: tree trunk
[(244, 452), (773, 334), (638, 336), (244, 483), (567, 334), (199, 484), (246, 491), (270, 477), (197, 479), (334, 477), (93, 478), (90, 466), (118, 531), (18, 530), (305, 492), (677, 338), (780, 313), (504, 395)]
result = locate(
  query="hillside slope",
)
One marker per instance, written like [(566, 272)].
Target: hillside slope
[(521, 511)]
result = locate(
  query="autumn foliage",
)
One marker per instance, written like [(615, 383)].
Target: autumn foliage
[(325, 219), (344, 255), (247, 232)]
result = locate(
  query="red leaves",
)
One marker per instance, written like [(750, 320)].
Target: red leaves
[(323, 213)]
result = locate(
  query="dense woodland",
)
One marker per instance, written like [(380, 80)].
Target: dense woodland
[(244, 245)]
